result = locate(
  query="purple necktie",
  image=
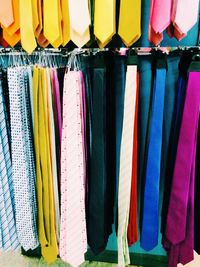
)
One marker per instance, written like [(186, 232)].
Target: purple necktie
[(180, 217)]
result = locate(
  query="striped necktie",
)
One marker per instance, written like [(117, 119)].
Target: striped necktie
[(73, 239), (23, 177), (125, 172), (9, 239)]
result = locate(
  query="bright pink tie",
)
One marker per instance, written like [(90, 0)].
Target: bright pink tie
[(160, 17), (73, 240)]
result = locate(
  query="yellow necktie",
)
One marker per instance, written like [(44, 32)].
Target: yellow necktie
[(59, 41), (79, 22), (26, 26), (65, 22), (52, 27), (104, 21), (51, 251), (6, 13), (39, 180), (130, 21), (42, 41)]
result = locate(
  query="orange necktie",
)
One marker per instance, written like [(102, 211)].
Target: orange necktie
[(132, 226), (6, 13)]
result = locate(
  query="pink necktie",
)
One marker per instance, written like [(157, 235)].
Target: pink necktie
[(160, 16), (73, 239), (6, 13), (180, 218), (184, 16)]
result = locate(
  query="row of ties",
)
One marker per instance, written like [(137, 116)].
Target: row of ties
[(56, 22)]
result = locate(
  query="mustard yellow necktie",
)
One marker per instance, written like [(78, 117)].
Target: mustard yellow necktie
[(79, 22), (59, 41), (6, 13), (65, 22), (130, 21), (52, 22), (42, 41), (104, 21), (26, 26)]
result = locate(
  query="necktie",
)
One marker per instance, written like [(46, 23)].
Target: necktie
[(26, 26), (125, 172), (79, 21), (184, 16), (132, 226), (65, 22), (6, 13), (104, 26), (23, 180), (52, 27), (130, 21), (73, 240), (180, 217), (42, 41), (149, 235), (160, 17), (9, 239)]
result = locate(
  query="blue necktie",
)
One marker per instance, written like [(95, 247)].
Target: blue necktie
[(149, 235), (9, 239)]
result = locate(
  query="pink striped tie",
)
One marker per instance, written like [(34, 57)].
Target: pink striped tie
[(73, 239)]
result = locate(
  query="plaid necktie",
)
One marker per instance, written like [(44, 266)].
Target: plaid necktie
[(22, 159), (9, 239)]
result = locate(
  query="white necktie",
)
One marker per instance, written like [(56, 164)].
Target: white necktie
[(125, 173)]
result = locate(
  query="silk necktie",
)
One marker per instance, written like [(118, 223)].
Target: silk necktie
[(184, 16), (180, 218), (160, 17), (132, 225), (79, 22), (125, 172), (104, 26), (130, 21), (7, 205), (6, 13), (23, 182), (65, 22), (149, 235), (52, 27), (26, 26), (73, 240)]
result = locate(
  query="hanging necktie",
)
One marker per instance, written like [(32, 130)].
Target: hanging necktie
[(73, 239), (160, 18), (26, 26), (6, 13), (11, 34), (7, 223), (184, 16), (126, 158), (65, 21), (130, 21), (52, 22), (149, 235), (79, 22), (133, 214), (23, 177), (104, 26)]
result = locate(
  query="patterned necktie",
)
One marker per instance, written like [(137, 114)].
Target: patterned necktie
[(125, 172), (79, 22), (160, 17), (73, 239), (23, 180), (9, 239), (180, 217), (149, 235), (130, 21)]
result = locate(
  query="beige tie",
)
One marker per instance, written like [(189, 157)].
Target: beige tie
[(125, 173), (79, 21)]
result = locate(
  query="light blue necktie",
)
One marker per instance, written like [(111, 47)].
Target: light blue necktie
[(22, 159), (149, 235), (9, 239)]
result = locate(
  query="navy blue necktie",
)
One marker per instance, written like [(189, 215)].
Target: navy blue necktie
[(149, 235)]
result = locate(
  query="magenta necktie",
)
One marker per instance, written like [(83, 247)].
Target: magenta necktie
[(180, 218)]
